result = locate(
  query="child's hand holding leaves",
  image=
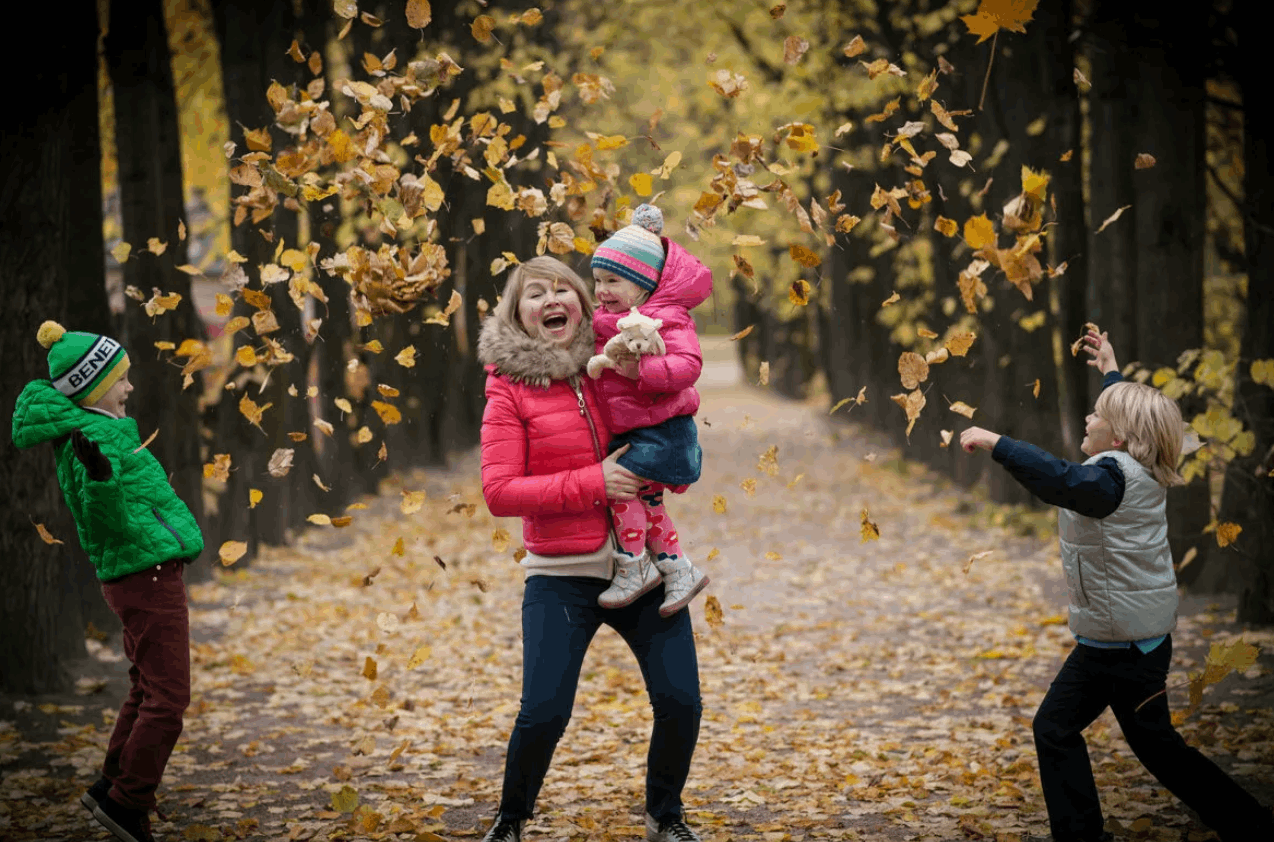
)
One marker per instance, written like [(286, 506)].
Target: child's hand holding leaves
[(975, 437), (90, 454)]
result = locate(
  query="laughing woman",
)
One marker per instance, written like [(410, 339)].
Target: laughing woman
[(542, 447)]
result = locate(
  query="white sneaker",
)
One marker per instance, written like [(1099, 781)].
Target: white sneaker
[(673, 831), (682, 582), (634, 578)]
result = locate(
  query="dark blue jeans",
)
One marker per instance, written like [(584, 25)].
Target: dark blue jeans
[(1093, 679), (560, 615)]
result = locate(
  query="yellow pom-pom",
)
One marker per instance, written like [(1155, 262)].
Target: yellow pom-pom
[(49, 333)]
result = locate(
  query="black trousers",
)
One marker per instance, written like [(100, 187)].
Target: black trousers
[(1093, 679)]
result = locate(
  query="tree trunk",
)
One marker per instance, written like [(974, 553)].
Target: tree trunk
[(151, 201), (42, 190), (1248, 498)]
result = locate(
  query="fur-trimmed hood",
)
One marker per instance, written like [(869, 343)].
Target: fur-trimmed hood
[(525, 360)]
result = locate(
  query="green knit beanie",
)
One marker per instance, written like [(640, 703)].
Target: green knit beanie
[(82, 366)]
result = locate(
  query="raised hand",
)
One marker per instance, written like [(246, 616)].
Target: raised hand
[(90, 454), (1097, 345)]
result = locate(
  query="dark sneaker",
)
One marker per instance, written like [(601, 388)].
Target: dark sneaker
[(127, 825), (96, 794), (670, 831), (504, 830)]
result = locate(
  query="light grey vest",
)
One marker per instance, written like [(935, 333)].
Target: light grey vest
[(1119, 568)]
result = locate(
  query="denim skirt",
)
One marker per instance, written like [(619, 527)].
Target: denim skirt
[(667, 453)]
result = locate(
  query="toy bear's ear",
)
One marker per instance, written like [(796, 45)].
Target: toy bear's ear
[(657, 323)]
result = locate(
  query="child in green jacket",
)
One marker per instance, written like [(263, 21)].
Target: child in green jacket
[(138, 534)]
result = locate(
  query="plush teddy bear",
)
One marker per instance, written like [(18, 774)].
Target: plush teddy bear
[(637, 335)]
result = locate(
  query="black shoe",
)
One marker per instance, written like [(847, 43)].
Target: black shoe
[(127, 825), (96, 794), (669, 831), (504, 830)]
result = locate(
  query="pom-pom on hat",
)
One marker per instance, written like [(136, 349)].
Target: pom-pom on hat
[(82, 366), (635, 251)]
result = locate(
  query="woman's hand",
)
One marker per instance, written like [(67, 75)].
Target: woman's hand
[(621, 483), (975, 437), (1099, 348)]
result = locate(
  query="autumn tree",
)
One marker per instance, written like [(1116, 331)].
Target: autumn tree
[(53, 270)]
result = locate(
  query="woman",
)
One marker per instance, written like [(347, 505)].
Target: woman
[(542, 446)]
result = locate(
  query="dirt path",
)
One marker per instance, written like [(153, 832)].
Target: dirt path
[(855, 690)]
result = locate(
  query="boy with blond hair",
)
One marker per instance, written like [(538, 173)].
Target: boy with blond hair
[(1113, 530), (139, 534)]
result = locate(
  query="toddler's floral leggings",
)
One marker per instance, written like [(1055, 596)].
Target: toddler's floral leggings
[(644, 522)]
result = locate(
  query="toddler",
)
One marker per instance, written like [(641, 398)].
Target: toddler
[(649, 403), (138, 534), (1113, 529)]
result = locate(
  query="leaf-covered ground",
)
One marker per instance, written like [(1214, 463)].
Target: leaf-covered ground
[(869, 690)]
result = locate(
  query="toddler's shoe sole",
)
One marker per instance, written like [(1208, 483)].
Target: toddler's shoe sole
[(669, 610)]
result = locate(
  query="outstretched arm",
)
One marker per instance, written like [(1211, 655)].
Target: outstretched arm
[(1094, 490)]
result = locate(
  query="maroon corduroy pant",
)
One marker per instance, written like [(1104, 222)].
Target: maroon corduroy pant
[(152, 606)]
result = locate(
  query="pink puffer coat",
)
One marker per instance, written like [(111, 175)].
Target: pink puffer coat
[(541, 452), (665, 385)]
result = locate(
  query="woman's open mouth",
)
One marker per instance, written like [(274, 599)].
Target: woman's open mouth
[(555, 322)]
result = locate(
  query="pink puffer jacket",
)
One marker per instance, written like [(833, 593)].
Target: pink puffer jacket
[(541, 454), (665, 385)]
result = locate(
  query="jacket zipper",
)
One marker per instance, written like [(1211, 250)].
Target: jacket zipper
[(597, 450), (579, 396), (158, 517)]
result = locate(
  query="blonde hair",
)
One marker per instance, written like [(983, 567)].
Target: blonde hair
[(542, 268), (1149, 424)]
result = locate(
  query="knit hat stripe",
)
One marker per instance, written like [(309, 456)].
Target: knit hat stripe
[(640, 243), (108, 378), (640, 274), (100, 359)]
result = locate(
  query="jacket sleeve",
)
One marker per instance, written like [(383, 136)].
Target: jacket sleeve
[(1110, 378), (1092, 490), (679, 367), (103, 503), (506, 487)]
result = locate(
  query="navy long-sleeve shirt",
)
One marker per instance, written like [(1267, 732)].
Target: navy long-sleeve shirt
[(1092, 490)]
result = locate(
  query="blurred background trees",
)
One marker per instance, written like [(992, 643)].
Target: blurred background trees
[(308, 207)]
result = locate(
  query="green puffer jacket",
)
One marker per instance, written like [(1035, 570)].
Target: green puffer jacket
[(133, 520)]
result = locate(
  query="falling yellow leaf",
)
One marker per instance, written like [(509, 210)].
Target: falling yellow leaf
[(156, 246), (1144, 161), (641, 183), (803, 256), (893, 299), (482, 27), (946, 227), (249, 410), (742, 333), (958, 345), (389, 414), (712, 612), (749, 486), (121, 251), (911, 402), (45, 535), (219, 468), (913, 369), (856, 47), (418, 13), (418, 657), (946, 437), (747, 240), (346, 800), (412, 502), (994, 15), (979, 232), (254, 497), (1227, 533), (799, 292), (869, 530), (500, 540), (1112, 218), (232, 551), (1035, 390), (718, 504), (963, 408), (712, 554), (968, 564), (399, 547)]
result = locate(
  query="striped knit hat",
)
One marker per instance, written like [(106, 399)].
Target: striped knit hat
[(635, 251), (82, 366)]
